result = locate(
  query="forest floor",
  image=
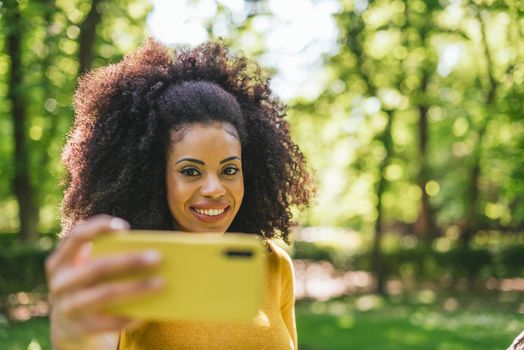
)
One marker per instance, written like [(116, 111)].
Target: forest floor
[(338, 311)]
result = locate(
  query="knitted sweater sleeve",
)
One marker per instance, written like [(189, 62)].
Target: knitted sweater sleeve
[(287, 296)]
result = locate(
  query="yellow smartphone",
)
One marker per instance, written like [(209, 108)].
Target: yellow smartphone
[(208, 276)]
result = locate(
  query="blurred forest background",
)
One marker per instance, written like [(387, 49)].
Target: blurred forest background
[(416, 135)]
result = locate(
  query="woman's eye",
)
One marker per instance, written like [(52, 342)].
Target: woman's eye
[(190, 172), (230, 170)]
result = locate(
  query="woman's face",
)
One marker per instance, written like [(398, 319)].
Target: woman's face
[(204, 178)]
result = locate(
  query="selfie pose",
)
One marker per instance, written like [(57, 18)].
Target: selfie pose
[(190, 141)]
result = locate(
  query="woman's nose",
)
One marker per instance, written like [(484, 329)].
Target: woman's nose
[(213, 187)]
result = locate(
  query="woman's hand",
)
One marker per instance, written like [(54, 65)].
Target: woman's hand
[(80, 287)]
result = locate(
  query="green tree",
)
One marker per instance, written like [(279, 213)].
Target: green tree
[(420, 115), (49, 45), (21, 183)]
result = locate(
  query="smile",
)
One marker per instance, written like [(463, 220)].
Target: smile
[(209, 212), (210, 215)]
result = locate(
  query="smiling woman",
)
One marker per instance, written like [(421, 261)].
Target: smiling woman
[(205, 185), (193, 142)]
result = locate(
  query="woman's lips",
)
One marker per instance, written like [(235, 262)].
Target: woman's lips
[(209, 214)]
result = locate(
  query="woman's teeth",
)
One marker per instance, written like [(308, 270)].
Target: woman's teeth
[(210, 212)]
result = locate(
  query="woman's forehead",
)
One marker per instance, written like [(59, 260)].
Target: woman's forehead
[(178, 134), (206, 140)]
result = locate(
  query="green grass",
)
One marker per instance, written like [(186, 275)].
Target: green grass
[(476, 322), (25, 335), (422, 321)]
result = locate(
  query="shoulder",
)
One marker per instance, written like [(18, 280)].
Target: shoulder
[(282, 273), (280, 258)]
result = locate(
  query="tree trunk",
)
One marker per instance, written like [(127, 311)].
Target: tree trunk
[(377, 261), (470, 224), (87, 37), (50, 43), (354, 43), (28, 210), (424, 225)]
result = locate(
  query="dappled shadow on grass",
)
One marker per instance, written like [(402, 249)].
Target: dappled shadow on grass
[(479, 321), (370, 322)]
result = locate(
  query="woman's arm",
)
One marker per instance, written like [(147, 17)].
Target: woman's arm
[(81, 287)]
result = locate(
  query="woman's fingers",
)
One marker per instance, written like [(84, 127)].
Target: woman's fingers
[(80, 235), (81, 287), (101, 269), (102, 296), (102, 323)]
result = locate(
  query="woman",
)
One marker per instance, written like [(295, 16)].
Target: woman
[(195, 142)]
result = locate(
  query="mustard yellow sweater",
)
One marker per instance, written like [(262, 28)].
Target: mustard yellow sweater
[(273, 328)]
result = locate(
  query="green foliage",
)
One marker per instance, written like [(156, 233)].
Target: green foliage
[(312, 251), (343, 259), (509, 261), (50, 63), (407, 57), (23, 264), (26, 335), (422, 262)]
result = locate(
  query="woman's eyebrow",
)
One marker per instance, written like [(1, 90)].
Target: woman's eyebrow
[(228, 159), (193, 160)]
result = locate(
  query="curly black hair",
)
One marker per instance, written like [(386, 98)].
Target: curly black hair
[(116, 152)]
